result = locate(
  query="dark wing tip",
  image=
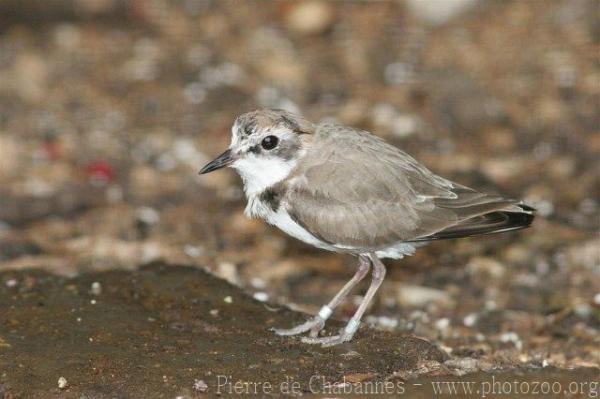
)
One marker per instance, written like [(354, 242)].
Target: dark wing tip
[(490, 223), (527, 208)]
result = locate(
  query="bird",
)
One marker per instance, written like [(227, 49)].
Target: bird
[(345, 190)]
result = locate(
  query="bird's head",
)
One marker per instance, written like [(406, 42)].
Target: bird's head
[(265, 146)]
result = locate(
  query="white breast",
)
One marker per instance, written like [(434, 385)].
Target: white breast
[(282, 220)]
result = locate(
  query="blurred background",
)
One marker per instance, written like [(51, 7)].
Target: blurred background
[(109, 108)]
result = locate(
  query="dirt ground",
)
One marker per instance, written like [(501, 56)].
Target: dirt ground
[(108, 110)]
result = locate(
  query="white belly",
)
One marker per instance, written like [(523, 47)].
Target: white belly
[(285, 223)]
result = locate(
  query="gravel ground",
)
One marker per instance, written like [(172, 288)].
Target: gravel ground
[(108, 110)]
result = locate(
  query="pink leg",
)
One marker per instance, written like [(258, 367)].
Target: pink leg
[(347, 332), (316, 323)]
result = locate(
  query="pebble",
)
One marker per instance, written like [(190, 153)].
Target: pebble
[(387, 322), (583, 310), (193, 251), (386, 116), (597, 299), (442, 324), (415, 295), (438, 12), (62, 383), (464, 364), (194, 93), (96, 288), (310, 17), (226, 74), (382, 321), (228, 299), (487, 265), (185, 151), (512, 337), (200, 386), (490, 305), (258, 283), (470, 320), (14, 282), (261, 296)]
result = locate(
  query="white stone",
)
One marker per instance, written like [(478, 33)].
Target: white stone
[(438, 12), (62, 383)]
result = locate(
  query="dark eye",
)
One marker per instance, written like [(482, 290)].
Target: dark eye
[(269, 142)]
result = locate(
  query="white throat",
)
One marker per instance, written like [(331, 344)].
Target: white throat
[(260, 173)]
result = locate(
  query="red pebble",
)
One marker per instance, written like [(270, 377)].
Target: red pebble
[(100, 171)]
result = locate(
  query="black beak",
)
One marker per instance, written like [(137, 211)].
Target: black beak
[(225, 159)]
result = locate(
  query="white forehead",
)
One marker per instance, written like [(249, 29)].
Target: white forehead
[(240, 140)]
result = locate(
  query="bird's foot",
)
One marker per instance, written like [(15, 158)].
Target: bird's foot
[(314, 325), (327, 341), (345, 335)]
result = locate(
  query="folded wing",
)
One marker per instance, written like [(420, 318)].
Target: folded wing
[(355, 190)]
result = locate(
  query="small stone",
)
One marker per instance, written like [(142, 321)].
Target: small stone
[(583, 310), (194, 93), (387, 322), (524, 358), (597, 299), (463, 364), (3, 343), (96, 288), (438, 12), (310, 17), (228, 299), (512, 337), (200, 386), (404, 125), (214, 312), (258, 283), (148, 215), (62, 383), (193, 251), (261, 296), (487, 265), (470, 320), (14, 282), (505, 169), (414, 295), (442, 324), (490, 305)]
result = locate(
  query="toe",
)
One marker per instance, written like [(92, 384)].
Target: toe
[(318, 340), (317, 328), (309, 325), (331, 340)]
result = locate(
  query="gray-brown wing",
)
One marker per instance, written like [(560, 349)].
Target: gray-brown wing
[(354, 189)]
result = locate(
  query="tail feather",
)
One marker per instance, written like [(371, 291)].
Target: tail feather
[(488, 223)]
